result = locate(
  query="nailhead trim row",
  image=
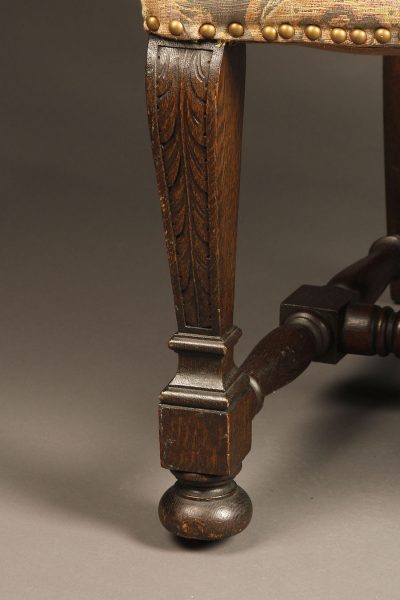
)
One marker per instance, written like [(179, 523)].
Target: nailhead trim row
[(285, 32)]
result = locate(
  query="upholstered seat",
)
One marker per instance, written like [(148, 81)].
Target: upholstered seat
[(349, 24)]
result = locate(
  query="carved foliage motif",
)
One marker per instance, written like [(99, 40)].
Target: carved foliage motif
[(181, 97)]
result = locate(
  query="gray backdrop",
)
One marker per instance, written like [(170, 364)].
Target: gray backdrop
[(86, 309)]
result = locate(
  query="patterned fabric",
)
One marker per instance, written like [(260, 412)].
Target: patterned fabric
[(254, 15)]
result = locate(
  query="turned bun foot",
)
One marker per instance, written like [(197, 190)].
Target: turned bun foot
[(205, 508)]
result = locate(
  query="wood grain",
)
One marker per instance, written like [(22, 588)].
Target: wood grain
[(195, 95), (195, 101), (182, 125)]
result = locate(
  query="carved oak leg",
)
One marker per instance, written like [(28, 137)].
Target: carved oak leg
[(391, 76), (195, 98)]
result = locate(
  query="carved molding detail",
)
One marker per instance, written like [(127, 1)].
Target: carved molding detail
[(181, 99)]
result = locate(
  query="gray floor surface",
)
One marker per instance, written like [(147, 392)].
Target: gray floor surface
[(86, 312)]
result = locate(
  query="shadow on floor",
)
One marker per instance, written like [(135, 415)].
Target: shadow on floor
[(357, 416), (115, 489)]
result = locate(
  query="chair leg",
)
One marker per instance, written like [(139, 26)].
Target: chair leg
[(195, 98), (391, 79)]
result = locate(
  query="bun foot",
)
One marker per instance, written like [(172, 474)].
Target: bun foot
[(203, 507)]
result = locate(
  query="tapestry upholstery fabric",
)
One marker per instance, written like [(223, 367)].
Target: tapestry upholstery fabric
[(254, 15)]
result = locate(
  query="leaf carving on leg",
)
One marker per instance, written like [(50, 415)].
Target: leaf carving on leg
[(182, 115)]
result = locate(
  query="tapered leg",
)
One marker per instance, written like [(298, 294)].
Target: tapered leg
[(195, 98), (391, 77)]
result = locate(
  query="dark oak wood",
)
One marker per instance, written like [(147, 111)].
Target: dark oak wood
[(195, 95), (284, 354), (323, 323), (370, 329), (195, 99), (391, 92), (370, 276), (205, 508), (326, 306)]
